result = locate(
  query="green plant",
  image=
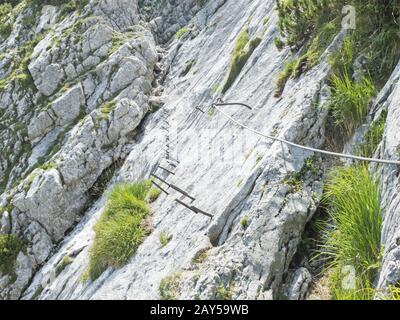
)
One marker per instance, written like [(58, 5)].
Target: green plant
[(188, 66), (37, 293), (66, 261), (372, 138), (244, 48), (224, 293), (284, 76), (350, 101), (181, 32), (279, 44), (10, 246), (169, 287), (121, 228), (201, 256), (201, 3), (153, 195), (165, 239), (351, 237), (244, 223)]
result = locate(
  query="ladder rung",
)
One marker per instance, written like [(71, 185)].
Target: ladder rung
[(202, 212), (165, 169), (183, 192), (194, 209), (174, 187), (159, 187)]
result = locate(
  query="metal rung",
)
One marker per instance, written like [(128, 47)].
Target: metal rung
[(185, 205), (174, 187), (194, 209), (159, 187), (165, 169), (202, 212), (183, 192), (171, 164), (173, 159)]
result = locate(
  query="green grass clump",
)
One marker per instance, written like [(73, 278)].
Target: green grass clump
[(181, 32), (121, 228), (284, 76), (170, 288), (372, 138), (153, 195), (224, 293), (65, 262), (10, 247), (244, 48), (350, 101), (352, 235), (165, 239)]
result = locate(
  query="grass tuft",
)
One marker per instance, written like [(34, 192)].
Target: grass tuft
[(284, 76), (153, 195), (170, 288), (350, 101), (121, 228), (244, 48), (351, 237), (165, 239)]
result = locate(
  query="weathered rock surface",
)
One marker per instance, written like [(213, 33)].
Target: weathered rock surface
[(96, 75), (390, 149)]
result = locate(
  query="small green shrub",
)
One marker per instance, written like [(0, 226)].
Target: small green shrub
[(350, 101), (181, 32), (279, 44), (10, 247), (244, 223), (351, 237), (165, 239), (284, 76), (153, 195), (170, 288), (121, 228)]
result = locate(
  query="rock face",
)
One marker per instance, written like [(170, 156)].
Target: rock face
[(390, 149), (104, 79)]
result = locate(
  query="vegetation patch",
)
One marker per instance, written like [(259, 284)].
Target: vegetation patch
[(65, 262), (284, 76), (170, 287), (244, 223), (350, 101), (153, 195), (10, 247), (244, 48), (165, 238), (372, 137), (121, 229), (181, 32), (201, 256), (224, 293), (351, 236)]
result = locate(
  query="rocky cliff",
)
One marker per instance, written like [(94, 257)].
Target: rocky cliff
[(86, 90)]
